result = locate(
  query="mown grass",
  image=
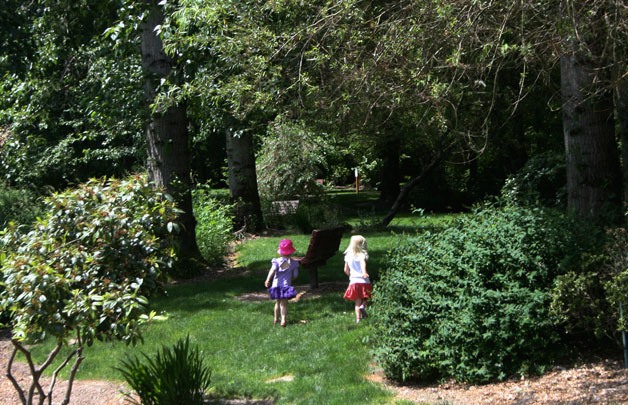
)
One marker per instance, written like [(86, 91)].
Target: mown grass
[(322, 351), (324, 355)]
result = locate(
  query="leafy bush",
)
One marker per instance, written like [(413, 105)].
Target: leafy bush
[(174, 376), (472, 302), (541, 181), (616, 287), (90, 262), (85, 269), (290, 160), (18, 205), (587, 298), (213, 228)]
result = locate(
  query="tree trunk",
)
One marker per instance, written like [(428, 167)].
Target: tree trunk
[(405, 190), (622, 118), (588, 129), (167, 134), (389, 187), (243, 181), (592, 158)]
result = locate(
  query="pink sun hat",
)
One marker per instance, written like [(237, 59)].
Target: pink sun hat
[(285, 247)]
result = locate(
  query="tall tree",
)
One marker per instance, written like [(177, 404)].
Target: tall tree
[(593, 171), (167, 131), (622, 118), (243, 180), (212, 35)]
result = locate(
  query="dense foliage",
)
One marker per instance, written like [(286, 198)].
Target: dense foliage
[(176, 375), (20, 206), (213, 229), (289, 162), (541, 181), (71, 107), (473, 302), (88, 265), (589, 298)]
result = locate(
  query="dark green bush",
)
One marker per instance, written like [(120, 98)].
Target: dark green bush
[(616, 287), (587, 298), (175, 375), (18, 205), (472, 302), (542, 181)]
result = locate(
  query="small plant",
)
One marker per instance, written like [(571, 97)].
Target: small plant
[(213, 229), (175, 375)]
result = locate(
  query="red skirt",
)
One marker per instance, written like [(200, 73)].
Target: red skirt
[(358, 290)]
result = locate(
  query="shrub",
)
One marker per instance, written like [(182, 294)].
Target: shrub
[(616, 287), (213, 226), (472, 302), (175, 375), (541, 181), (587, 298), (86, 268), (290, 160), (18, 205)]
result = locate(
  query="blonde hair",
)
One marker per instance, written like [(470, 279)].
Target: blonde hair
[(357, 246)]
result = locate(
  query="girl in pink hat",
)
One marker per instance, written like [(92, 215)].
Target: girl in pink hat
[(282, 271)]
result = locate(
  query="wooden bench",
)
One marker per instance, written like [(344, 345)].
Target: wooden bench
[(324, 243)]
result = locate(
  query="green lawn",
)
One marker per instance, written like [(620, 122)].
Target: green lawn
[(323, 353)]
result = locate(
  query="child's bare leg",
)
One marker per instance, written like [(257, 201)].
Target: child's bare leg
[(358, 315), (277, 311), (283, 304), (363, 308)]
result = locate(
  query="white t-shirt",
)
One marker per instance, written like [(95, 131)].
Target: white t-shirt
[(356, 272)]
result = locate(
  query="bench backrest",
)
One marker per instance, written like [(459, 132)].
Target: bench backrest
[(324, 243)]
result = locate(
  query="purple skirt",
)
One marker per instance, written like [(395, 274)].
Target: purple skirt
[(280, 293)]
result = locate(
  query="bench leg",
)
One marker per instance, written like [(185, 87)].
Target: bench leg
[(313, 277)]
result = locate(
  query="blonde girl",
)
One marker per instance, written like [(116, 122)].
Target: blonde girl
[(360, 288)]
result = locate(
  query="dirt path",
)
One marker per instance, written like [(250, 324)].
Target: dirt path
[(605, 382), (83, 392)]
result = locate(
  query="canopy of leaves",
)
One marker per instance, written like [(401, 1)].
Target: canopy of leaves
[(72, 107)]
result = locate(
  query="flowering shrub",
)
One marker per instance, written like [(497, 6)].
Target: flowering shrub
[(85, 269)]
